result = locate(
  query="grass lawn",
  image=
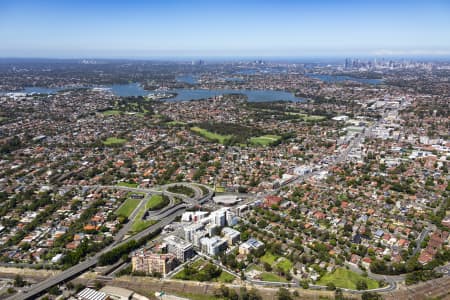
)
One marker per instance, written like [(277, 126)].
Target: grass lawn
[(313, 118), (205, 191), (197, 265), (139, 224), (225, 277), (3, 119), (127, 207), (220, 189), (175, 123), (113, 141), (265, 140), (266, 276), (180, 275), (211, 135), (111, 112), (344, 278), (155, 202), (181, 189), (127, 184), (306, 117), (285, 264), (268, 258)]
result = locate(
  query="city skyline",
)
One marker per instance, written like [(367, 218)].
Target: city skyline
[(110, 29)]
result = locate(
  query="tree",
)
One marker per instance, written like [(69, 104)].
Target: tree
[(232, 295), (98, 285), (18, 281), (54, 291), (284, 294), (79, 287), (361, 285), (267, 267), (338, 295), (370, 296), (331, 286), (304, 284)]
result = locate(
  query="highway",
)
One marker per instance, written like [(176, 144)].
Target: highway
[(164, 219), (38, 288), (166, 216)]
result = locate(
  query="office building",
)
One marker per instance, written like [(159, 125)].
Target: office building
[(182, 249)]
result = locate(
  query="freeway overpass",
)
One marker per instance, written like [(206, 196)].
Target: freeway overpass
[(165, 218), (39, 288)]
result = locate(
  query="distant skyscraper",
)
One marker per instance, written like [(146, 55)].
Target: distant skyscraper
[(347, 64)]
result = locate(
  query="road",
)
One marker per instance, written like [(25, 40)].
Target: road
[(419, 241), (38, 288), (165, 219), (392, 281), (127, 227)]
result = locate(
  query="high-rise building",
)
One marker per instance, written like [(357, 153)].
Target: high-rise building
[(182, 249), (190, 230)]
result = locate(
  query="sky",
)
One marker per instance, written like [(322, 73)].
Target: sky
[(171, 28)]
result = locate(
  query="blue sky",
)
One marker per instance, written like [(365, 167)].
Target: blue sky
[(136, 29)]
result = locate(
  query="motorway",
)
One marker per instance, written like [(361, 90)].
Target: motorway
[(167, 215), (165, 219)]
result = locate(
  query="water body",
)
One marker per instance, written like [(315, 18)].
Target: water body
[(234, 79), (41, 90), (252, 95), (128, 90), (35, 90), (341, 78), (135, 89), (187, 79)]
